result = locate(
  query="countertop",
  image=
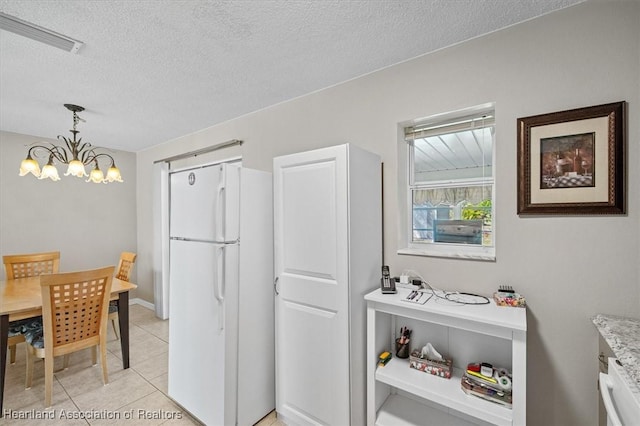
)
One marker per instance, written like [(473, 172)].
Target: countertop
[(623, 337)]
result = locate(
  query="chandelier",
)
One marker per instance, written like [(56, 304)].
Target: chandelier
[(75, 154)]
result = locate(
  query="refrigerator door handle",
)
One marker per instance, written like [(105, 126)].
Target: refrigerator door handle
[(219, 286), (220, 219)]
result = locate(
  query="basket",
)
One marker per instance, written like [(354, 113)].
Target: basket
[(431, 366)]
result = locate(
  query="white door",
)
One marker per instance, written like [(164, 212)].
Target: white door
[(311, 258)]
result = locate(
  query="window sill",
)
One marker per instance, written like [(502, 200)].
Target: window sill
[(453, 252)]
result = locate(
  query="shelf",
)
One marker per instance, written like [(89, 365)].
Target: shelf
[(422, 392), (400, 411), (487, 319), (447, 392)]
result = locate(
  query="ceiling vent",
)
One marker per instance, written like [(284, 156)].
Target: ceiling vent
[(34, 32)]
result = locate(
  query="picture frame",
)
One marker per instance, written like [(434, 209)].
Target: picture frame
[(573, 162)]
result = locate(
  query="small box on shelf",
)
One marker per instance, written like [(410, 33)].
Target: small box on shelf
[(472, 386), (384, 358), (514, 300), (506, 296), (431, 366)]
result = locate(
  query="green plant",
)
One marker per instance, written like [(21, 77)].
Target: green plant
[(482, 210)]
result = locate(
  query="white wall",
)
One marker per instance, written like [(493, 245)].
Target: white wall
[(90, 224), (569, 268)]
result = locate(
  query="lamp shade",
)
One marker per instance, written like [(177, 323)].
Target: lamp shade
[(29, 165), (49, 171), (113, 174), (96, 176), (76, 168)]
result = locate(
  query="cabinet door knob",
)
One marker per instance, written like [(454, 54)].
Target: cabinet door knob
[(275, 286)]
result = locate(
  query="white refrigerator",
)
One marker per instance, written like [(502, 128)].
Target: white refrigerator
[(221, 327)]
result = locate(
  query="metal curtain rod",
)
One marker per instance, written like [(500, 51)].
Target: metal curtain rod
[(232, 142)]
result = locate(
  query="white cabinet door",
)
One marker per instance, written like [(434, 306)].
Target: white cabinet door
[(312, 305)]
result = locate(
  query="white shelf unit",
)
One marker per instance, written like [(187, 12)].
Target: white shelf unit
[(399, 395)]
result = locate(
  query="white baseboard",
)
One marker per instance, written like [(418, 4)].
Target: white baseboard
[(138, 301)]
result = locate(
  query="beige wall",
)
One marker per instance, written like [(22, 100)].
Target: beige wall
[(569, 268), (90, 224)]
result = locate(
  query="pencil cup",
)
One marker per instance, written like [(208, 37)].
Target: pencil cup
[(402, 349)]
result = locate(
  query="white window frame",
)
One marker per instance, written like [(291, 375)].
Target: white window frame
[(406, 246)]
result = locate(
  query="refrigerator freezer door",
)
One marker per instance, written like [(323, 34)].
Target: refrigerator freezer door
[(205, 204), (194, 203), (196, 342)]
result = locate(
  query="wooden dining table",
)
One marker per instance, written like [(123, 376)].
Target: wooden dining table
[(22, 298)]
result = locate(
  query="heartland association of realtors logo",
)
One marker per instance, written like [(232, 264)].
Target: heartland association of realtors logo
[(62, 414)]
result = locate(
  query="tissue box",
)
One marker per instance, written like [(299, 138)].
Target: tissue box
[(431, 366)]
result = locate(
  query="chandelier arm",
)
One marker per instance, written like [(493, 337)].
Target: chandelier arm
[(71, 148), (95, 156), (55, 151), (85, 157), (85, 154), (74, 147)]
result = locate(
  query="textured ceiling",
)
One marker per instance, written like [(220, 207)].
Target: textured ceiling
[(151, 71)]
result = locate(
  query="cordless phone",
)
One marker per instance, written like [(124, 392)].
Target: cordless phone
[(387, 284)]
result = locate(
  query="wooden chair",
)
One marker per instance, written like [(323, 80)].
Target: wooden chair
[(22, 266), (74, 315), (125, 266)]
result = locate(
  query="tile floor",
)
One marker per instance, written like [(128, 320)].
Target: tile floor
[(134, 396)]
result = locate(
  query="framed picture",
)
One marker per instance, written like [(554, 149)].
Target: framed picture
[(573, 162)]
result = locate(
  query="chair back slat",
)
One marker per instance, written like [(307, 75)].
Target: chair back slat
[(31, 265), (125, 266), (75, 305)]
